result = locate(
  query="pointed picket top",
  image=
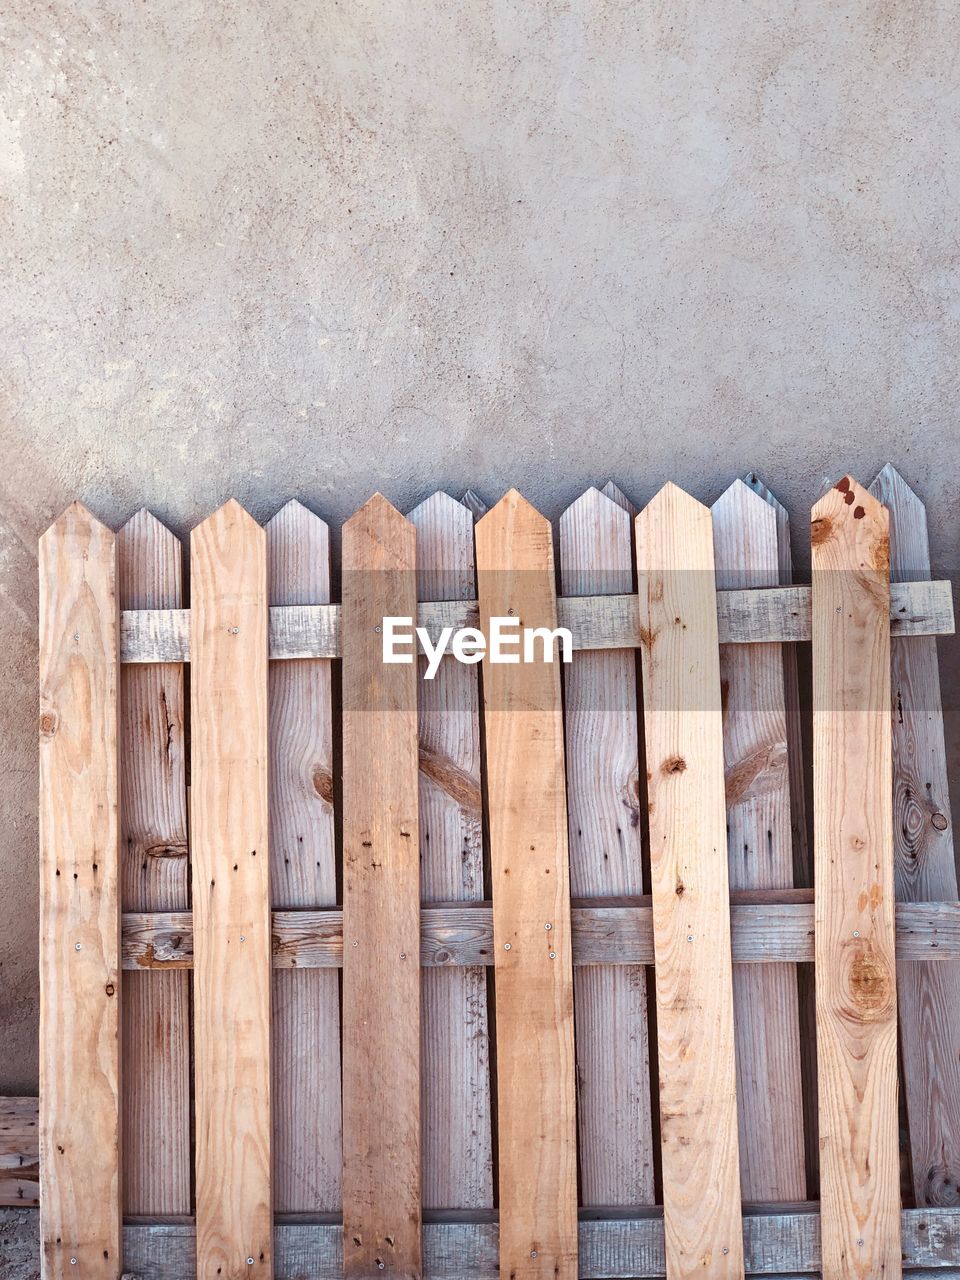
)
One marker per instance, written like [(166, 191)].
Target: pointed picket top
[(228, 521), (909, 540), (298, 556), (753, 481), (445, 560), (378, 536), (149, 564), (76, 519), (514, 536), (513, 508), (474, 503), (744, 539), (616, 494), (669, 532), (849, 529), (595, 547)]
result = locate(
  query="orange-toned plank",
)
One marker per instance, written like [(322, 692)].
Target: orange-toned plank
[(531, 907), (79, 901), (381, 905), (231, 895), (689, 883), (154, 877), (853, 867), (303, 873)]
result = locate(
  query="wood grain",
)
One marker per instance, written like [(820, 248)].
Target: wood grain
[(928, 997), (455, 1048), (688, 856), (603, 799), (303, 873), (853, 857), (79, 900), (231, 895), (154, 874), (760, 850), (381, 904), (531, 907), (19, 1152)]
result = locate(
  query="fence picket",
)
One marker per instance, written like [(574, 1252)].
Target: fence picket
[(853, 856), (455, 1093), (603, 799), (231, 894), (688, 859), (381, 905), (928, 997), (303, 874), (759, 840), (531, 907), (80, 1213)]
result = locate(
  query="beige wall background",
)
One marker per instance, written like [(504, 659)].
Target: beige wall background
[(313, 249)]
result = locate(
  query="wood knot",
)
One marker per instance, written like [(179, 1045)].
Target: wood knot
[(869, 986), (674, 764), (48, 724), (323, 783)]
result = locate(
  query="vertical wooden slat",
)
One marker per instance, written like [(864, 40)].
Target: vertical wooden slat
[(688, 858), (759, 841), (531, 906), (455, 1085), (853, 855), (79, 901), (231, 894), (303, 873), (928, 995), (474, 504), (802, 860), (154, 877), (603, 799), (381, 911)]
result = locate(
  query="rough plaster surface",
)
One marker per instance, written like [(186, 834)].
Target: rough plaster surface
[(313, 249)]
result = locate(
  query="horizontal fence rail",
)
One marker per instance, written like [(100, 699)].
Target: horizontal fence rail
[(508, 972)]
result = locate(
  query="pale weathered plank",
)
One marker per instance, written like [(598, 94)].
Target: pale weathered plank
[(928, 997), (616, 494), (19, 1152), (760, 848), (455, 1051), (154, 876), (773, 616), (79, 900), (603, 799), (381, 900), (531, 907), (231, 894), (474, 504), (688, 858), (853, 855), (303, 873)]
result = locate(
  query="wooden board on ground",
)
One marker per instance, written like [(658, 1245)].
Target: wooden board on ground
[(760, 845), (536, 1069), (19, 1152), (381, 905), (853, 857), (79, 900), (303, 874), (154, 876), (928, 996), (231, 895), (688, 857), (603, 801), (455, 1049)]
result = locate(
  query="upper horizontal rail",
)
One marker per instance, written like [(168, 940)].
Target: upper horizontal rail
[(758, 616)]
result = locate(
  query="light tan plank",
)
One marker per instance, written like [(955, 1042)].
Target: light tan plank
[(455, 1048), (603, 798), (531, 907), (231, 895), (853, 862), (79, 900), (924, 868), (154, 875), (760, 850), (688, 857), (381, 905), (303, 873)]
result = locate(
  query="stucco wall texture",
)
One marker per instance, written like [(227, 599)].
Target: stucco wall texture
[(314, 249)]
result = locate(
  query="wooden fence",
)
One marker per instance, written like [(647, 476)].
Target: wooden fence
[(573, 907)]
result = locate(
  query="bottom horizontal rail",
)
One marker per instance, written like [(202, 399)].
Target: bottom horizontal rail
[(776, 1244)]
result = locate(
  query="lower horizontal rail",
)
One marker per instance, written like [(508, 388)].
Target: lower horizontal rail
[(776, 1243), (775, 929)]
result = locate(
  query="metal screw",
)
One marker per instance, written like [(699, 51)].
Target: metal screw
[(355, 943), (548, 927), (242, 938), (378, 630), (403, 955), (73, 1262), (381, 1266), (859, 1244), (234, 631), (76, 636), (856, 933), (724, 1249), (76, 946), (506, 946), (249, 1262), (689, 937), (553, 955), (839, 608), (533, 1253)]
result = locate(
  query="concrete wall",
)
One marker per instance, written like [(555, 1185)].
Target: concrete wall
[(313, 249)]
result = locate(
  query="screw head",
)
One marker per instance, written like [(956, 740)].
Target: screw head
[(725, 1249), (533, 1253), (856, 933), (249, 1262), (355, 943), (548, 926), (403, 955), (689, 937), (506, 946), (76, 946), (73, 1262), (553, 955)]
